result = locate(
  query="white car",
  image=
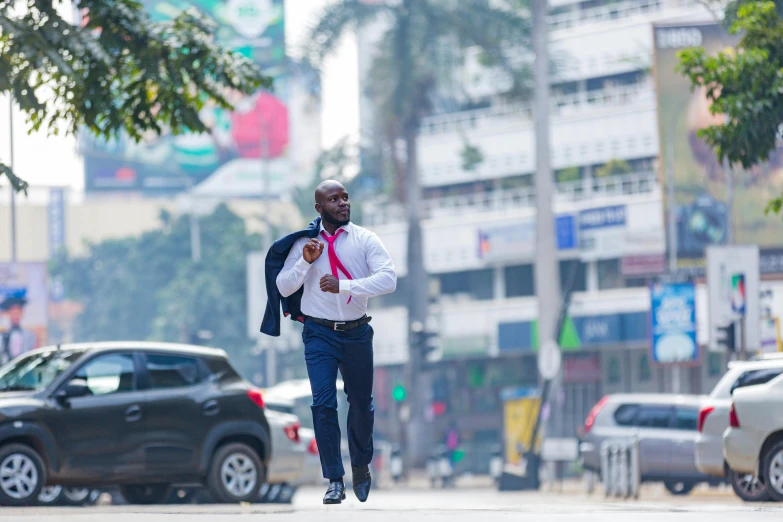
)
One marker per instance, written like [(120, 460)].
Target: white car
[(754, 441), (714, 419)]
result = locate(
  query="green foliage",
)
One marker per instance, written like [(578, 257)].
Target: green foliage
[(745, 85), (118, 72), (615, 167), (569, 175), (472, 157), (148, 288)]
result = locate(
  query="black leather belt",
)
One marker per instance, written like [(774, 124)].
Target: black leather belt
[(340, 326)]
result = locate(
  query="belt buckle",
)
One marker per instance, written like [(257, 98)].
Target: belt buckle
[(336, 323)]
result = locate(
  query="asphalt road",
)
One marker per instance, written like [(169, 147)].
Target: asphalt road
[(483, 505)]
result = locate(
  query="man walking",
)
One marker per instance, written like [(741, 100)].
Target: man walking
[(328, 291)]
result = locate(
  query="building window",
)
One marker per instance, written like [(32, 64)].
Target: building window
[(645, 372), (519, 281), (609, 275), (613, 372), (475, 283), (573, 269)]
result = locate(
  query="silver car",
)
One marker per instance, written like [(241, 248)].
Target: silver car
[(714, 419), (287, 464), (666, 428)]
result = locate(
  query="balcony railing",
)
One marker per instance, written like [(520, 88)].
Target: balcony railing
[(381, 213), (562, 105), (614, 11)]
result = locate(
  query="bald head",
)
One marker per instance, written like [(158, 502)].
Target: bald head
[(332, 203), (325, 187)]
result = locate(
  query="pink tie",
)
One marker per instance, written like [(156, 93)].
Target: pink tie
[(334, 262)]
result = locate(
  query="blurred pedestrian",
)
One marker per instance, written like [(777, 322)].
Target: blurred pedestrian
[(16, 340), (329, 294)]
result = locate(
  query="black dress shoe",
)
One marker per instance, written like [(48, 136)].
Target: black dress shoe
[(335, 494), (362, 482)]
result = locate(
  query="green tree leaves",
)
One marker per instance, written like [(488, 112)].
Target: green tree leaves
[(148, 288), (745, 85), (118, 72)]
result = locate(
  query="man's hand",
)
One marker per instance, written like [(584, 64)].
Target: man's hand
[(312, 250), (329, 283)]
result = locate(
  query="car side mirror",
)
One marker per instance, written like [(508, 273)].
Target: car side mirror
[(75, 388)]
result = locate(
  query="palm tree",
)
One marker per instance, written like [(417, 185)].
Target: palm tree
[(403, 80)]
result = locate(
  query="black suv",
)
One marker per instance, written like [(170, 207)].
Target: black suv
[(141, 416)]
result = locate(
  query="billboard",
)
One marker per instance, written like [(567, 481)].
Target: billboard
[(734, 287), (24, 307), (245, 152), (673, 332), (701, 196)]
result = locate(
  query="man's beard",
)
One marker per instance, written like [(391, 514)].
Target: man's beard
[(329, 218)]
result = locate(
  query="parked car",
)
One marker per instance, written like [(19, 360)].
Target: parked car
[(311, 467), (714, 419), (141, 416), (666, 428), (297, 393), (754, 441)]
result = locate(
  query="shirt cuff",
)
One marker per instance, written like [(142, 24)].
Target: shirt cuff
[(345, 286), (302, 264)]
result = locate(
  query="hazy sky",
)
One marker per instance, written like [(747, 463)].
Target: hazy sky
[(43, 160)]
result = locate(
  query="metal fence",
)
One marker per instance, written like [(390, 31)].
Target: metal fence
[(620, 468)]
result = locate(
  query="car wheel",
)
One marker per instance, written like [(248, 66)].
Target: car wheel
[(50, 496), (145, 494), (236, 474), (76, 496), (773, 471), (748, 487), (678, 488), (22, 475)]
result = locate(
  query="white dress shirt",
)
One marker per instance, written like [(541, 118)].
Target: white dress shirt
[(365, 258)]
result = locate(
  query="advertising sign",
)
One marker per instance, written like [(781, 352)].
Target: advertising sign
[(733, 285), (519, 419), (673, 311), (518, 240), (24, 306), (244, 152), (699, 178)]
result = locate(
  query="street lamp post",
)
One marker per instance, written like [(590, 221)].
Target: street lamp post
[(11, 164), (546, 267)]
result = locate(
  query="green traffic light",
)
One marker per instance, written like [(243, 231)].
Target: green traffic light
[(399, 393)]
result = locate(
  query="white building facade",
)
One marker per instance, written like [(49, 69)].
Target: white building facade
[(479, 232)]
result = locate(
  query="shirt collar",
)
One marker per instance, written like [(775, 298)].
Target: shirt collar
[(348, 228)]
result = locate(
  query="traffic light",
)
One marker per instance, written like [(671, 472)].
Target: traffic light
[(424, 341), (728, 337), (399, 393)]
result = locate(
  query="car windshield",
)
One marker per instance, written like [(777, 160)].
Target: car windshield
[(36, 371)]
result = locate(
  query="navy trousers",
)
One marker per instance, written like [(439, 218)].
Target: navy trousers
[(326, 351)]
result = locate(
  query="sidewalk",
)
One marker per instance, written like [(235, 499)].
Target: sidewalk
[(574, 487)]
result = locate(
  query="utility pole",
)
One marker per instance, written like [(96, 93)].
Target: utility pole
[(416, 379), (271, 345), (547, 276), (11, 164)]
